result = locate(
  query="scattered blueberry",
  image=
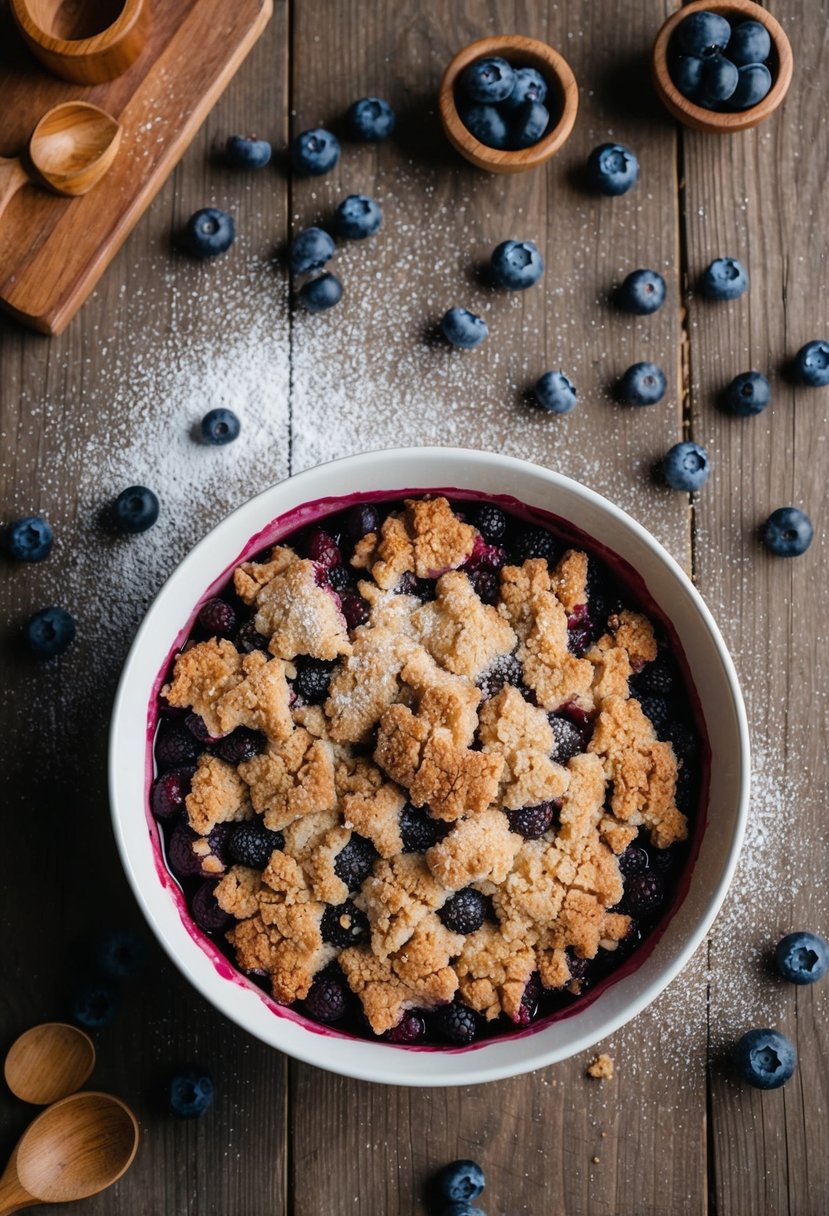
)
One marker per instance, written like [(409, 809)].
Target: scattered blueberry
[(120, 954), (217, 618), (724, 279), (354, 862), (206, 911), (488, 80), (642, 292), (516, 265), (247, 153), (749, 43), (465, 911), (209, 232), (612, 169), (371, 119), (220, 426), (765, 1058), (29, 539), (686, 466), (169, 791), (802, 958), (747, 394), (703, 33), (812, 363), (719, 80), (320, 294), (94, 1005), (567, 737), (644, 894), (191, 1093), (418, 830), (315, 152), (460, 1181), (643, 384), (530, 121), (358, 217), (310, 250), (753, 83), (456, 1022), (312, 679), (528, 85), (556, 392), (787, 532), (531, 822), (490, 521), (252, 844), (487, 124), (50, 632), (410, 1029), (240, 745), (135, 510), (326, 999), (463, 329), (686, 73), (343, 925)]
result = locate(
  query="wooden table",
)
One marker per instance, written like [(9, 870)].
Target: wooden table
[(163, 339)]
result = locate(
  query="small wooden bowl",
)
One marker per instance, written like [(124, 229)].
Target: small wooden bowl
[(563, 102), (719, 122), (88, 41)]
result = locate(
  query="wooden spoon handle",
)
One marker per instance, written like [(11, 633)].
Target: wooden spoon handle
[(12, 177), (12, 1195)]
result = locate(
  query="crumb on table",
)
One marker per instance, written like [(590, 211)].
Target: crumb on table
[(601, 1068)]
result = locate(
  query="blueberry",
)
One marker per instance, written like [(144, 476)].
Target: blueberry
[(360, 520), (556, 393), (568, 741), (326, 1000), (753, 84), (371, 119), (310, 250), (240, 745), (94, 1005), (460, 1181), (209, 232), (29, 539), (242, 153), (217, 618), (765, 1058), (354, 862), (530, 121), (456, 1022), (463, 329), (491, 522), (343, 925), (612, 169), (802, 958), (703, 33), (252, 844), (321, 293), (315, 152), (749, 43), (719, 80), (487, 124), (747, 394), (812, 363), (465, 911), (169, 791), (531, 822), (50, 632), (643, 384), (686, 73), (528, 85), (418, 830), (787, 532), (120, 954), (358, 216), (410, 1029), (724, 279), (312, 679), (686, 466), (488, 80), (516, 264), (642, 292), (135, 510), (191, 1093), (206, 911), (220, 426)]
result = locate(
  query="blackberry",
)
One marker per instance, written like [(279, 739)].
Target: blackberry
[(485, 585), (180, 856), (579, 970), (410, 1029), (659, 677), (206, 911), (644, 894), (215, 857), (240, 745), (339, 578), (360, 520), (532, 541), (344, 925), (418, 829), (663, 860), (491, 522), (354, 609), (531, 822), (312, 679), (326, 1000), (506, 669), (252, 844), (323, 549), (353, 863), (530, 1001), (249, 639), (465, 911), (633, 861), (568, 739), (456, 1022), (175, 747), (657, 710), (217, 618), (409, 584), (195, 725), (687, 789), (683, 738), (169, 791)]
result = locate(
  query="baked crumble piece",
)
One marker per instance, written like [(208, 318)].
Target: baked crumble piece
[(601, 1068)]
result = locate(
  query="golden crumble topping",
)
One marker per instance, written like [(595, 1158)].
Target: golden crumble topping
[(290, 779), (460, 632), (522, 736), (227, 689), (217, 795), (425, 539), (297, 615)]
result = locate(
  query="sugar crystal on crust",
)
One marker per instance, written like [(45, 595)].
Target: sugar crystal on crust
[(217, 795), (521, 734), (396, 897), (371, 804), (426, 539), (368, 681), (296, 614), (463, 634), (292, 778), (478, 848), (569, 579), (627, 645)]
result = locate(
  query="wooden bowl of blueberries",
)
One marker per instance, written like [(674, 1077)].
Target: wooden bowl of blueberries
[(721, 67), (508, 103)]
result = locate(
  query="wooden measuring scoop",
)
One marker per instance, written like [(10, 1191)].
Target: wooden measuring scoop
[(49, 1062), (71, 149)]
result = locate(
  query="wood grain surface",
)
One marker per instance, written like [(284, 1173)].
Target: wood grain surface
[(162, 339)]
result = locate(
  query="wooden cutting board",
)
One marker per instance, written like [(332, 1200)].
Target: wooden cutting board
[(53, 250)]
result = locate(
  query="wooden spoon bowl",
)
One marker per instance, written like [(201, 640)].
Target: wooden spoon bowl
[(73, 145), (49, 1062), (722, 122), (85, 41), (562, 101)]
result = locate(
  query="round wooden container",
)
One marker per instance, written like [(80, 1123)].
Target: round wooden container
[(87, 42)]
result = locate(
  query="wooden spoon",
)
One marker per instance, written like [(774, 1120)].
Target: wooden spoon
[(49, 1062), (73, 1149), (71, 149)]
